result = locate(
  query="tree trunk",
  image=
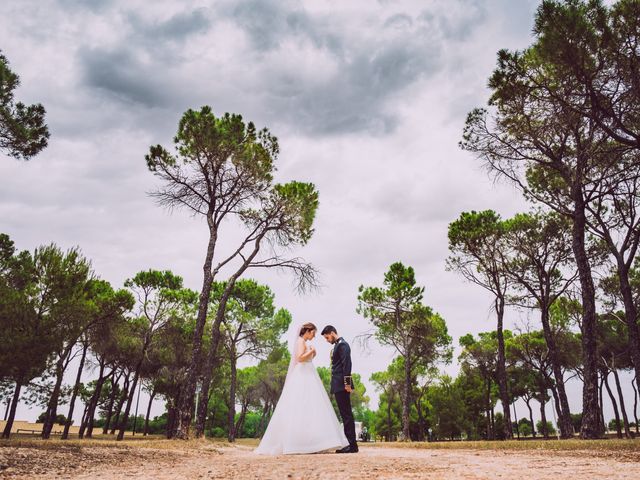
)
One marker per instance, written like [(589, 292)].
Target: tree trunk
[(515, 415), (123, 397), (132, 394), (83, 420), (185, 408), (590, 425), (490, 431), (533, 425), (76, 387), (231, 421), (6, 410), (623, 410), (263, 419), (635, 405), (389, 423), (240, 423), (213, 348), (52, 406), (556, 402), (630, 315), (112, 399), (501, 370), (564, 413), (614, 403), (146, 418), (603, 426), (87, 424), (406, 397), (12, 411), (172, 413), (543, 416)]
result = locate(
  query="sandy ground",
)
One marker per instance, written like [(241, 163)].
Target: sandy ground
[(372, 462)]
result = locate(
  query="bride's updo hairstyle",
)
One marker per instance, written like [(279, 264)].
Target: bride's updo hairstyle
[(307, 327)]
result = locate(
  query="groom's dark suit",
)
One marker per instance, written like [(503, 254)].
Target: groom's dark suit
[(340, 377)]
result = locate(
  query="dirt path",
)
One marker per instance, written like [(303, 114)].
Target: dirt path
[(372, 462)]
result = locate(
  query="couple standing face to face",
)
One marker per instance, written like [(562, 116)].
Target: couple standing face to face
[(308, 332)]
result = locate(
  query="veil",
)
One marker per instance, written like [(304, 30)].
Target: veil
[(294, 338)]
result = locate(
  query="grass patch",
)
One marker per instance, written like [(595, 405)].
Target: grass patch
[(109, 441), (610, 445)]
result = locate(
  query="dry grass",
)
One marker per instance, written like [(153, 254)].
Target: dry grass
[(109, 441), (610, 445)]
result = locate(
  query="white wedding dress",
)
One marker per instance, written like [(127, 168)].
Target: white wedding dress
[(304, 420)]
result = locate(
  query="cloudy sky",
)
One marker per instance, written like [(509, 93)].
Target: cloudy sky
[(368, 99)]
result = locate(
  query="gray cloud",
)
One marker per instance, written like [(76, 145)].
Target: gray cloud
[(177, 28), (399, 21), (264, 21), (359, 71), (367, 73), (469, 16), (120, 74), (93, 5)]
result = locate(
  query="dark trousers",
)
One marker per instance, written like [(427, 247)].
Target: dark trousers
[(343, 399)]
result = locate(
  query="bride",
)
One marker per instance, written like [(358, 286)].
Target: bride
[(304, 420)]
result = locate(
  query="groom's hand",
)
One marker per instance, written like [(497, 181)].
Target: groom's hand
[(348, 388)]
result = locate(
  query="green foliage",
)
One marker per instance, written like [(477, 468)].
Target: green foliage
[(157, 425), (161, 298), (447, 413), (539, 248), (43, 306), (23, 132), (576, 420), (476, 243), (251, 324), (613, 342), (359, 398), (298, 202), (401, 321), (258, 390), (551, 430), (524, 427), (223, 165), (59, 420), (250, 425)]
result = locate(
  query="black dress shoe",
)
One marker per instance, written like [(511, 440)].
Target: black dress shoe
[(353, 449), (346, 449)]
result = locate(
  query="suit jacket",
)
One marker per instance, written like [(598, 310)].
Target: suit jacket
[(340, 366)]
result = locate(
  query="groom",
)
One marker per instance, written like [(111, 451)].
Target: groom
[(342, 384)]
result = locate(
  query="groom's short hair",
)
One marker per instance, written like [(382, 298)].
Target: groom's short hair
[(329, 329)]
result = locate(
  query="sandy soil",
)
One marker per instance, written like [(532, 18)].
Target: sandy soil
[(372, 462)]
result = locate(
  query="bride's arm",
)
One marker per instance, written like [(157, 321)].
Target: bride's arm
[(304, 353)]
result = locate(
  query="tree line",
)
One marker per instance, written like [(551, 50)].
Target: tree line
[(55, 309), (561, 125)]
